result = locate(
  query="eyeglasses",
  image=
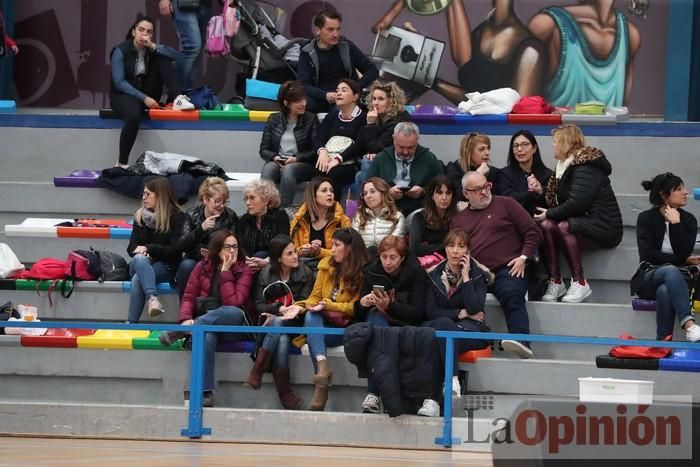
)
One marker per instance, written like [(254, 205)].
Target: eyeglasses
[(479, 189), (217, 202), (229, 247), (523, 145)]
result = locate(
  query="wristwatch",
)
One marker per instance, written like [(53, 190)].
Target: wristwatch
[(524, 258)]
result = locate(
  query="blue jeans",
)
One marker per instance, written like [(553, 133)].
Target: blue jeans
[(191, 28), (223, 316), (319, 342), (144, 277), (510, 292), (668, 286), (182, 274), (278, 344), (375, 318), (361, 174), (288, 178)]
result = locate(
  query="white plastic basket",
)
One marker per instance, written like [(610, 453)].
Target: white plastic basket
[(614, 390)]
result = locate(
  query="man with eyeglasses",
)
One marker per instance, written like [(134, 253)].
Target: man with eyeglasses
[(407, 167), (502, 236)]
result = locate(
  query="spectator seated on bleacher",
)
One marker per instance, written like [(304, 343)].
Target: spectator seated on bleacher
[(581, 204), (385, 102), (154, 246), (217, 293), (328, 58), (407, 167), (456, 298), (502, 236), (429, 225), (665, 239), (338, 134), (474, 154), (314, 224), (287, 144), (377, 215), (261, 222), (331, 304), (392, 294), (525, 176), (209, 216), (140, 67), (278, 285)]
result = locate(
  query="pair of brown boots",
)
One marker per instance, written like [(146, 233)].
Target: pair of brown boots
[(289, 400)]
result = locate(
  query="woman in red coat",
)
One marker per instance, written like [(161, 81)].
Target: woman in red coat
[(218, 290)]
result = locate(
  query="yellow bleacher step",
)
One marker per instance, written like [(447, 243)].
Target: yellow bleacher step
[(111, 339)]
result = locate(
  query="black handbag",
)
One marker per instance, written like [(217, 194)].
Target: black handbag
[(691, 274), (189, 5), (212, 302)]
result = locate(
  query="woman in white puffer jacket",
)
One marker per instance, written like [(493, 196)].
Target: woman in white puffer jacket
[(377, 215)]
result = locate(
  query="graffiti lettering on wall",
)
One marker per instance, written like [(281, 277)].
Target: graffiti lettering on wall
[(438, 50)]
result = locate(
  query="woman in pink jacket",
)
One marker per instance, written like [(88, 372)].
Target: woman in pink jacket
[(218, 290)]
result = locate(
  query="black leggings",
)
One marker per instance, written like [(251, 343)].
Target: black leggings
[(131, 110)]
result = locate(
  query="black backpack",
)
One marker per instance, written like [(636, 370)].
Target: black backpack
[(106, 266)]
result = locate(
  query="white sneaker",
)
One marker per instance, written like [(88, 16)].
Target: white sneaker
[(182, 102), (554, 291), (692, 334), (577, 292), (155, 308), (456, 388), (371, 404), (430, 409), (517, 348)]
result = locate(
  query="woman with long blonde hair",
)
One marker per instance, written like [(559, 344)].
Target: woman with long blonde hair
[(474, 154), (154, 246)]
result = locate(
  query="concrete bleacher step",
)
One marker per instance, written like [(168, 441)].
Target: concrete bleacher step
[(560, 377), (240, 425)]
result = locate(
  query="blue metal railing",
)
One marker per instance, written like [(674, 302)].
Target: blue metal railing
[(195, 428)]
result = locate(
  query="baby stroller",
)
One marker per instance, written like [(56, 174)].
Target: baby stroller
[(261, 49)]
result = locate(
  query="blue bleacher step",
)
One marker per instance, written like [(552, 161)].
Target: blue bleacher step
[(8, 107)]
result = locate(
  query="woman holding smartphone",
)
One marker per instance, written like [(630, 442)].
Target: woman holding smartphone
[(392, 294), (456, 297)]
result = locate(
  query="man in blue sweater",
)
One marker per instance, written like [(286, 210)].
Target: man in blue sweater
[(327, 59)]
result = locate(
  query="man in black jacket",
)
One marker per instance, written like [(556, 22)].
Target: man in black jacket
[(327, 59)]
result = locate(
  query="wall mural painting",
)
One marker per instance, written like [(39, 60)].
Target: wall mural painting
[(438, 50)]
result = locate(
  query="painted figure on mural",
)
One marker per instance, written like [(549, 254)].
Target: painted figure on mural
[(591, 50), (499, 52)]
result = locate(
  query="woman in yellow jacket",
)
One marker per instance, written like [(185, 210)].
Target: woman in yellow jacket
[(331, 304), (316, 221)]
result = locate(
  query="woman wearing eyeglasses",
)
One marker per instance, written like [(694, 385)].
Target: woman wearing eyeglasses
[(331, 304), (209, 216), (581, 204), (474, 154), (526, 175), (316, 221), (278, 285), (377, 215), (217, 293)]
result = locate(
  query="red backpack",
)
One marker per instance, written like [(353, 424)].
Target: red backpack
[(78, 266), (532, 105), (45, 269)]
